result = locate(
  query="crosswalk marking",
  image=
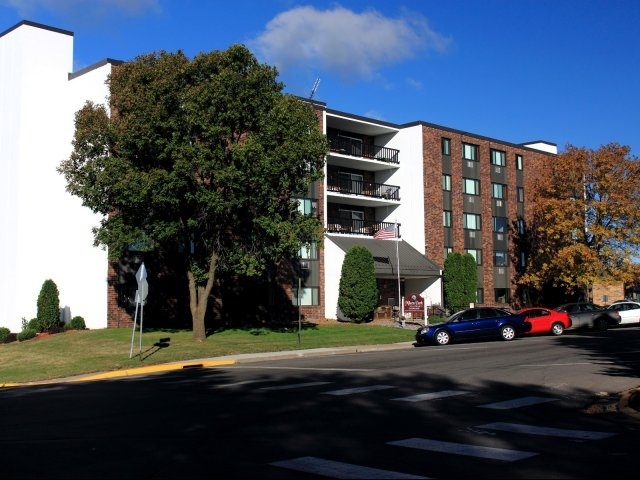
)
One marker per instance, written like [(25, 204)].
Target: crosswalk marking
[(518, 402), (551, 432), (431, 396), (464, 449), (295, 385), (349, 391), (329, 468)]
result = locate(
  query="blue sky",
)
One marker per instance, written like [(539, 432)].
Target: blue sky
[(563, 71)]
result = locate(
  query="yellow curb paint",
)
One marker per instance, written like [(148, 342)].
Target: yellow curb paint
[(153, 369)]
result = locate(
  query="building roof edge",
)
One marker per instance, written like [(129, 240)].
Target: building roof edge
[(29, 23)]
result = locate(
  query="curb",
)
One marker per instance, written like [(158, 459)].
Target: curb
[(216, 362)]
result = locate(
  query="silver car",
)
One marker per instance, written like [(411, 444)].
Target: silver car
[(590, 315)]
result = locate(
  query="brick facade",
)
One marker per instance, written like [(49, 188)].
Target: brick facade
[(435, 164)]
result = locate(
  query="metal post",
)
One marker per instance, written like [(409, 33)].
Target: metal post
[(299, 312)]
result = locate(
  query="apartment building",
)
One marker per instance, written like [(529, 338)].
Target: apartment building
[(433, 188), (446, 190)]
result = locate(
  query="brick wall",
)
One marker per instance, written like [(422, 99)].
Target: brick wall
[(433, 196)]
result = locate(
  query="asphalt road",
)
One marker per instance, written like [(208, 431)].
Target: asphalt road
[(521, 409)]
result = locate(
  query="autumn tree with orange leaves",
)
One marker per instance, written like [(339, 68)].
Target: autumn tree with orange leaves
[(586, 221)]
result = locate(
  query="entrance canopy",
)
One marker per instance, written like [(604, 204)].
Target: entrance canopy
[(413, 264)]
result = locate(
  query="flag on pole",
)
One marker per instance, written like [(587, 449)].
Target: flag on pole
[(387, 232)]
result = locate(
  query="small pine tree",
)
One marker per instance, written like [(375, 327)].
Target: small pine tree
[(358, 290), (48, 314), (460, 281)]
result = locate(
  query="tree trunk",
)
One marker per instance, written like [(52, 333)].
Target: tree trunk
[(198, 299)]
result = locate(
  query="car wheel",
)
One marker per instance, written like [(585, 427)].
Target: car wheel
[(601, 324), (507, 333), (557, 329), (442, 337)]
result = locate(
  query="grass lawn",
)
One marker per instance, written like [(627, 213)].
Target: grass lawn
[(78, 352)]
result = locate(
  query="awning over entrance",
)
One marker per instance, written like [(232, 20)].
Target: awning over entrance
[(413, 264)]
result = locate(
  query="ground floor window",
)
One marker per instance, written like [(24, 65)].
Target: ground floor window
[(308, 296), (502, 295)]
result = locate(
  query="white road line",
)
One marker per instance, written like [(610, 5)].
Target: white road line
[(464, 449), (518, 402), (349, 391), (329, 468), (431, 396), (295, 385), (550, 432)]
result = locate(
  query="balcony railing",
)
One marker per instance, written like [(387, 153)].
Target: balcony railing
[(357, 148), (358, 187), (360, 227)]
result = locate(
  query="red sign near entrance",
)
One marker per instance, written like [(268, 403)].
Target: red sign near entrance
[(413, 303)]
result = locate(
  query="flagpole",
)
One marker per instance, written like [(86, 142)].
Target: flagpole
[(397, 238)]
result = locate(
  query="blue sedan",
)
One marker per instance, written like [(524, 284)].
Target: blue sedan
[(473, 323)]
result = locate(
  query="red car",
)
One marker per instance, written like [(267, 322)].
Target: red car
[(545, 320)]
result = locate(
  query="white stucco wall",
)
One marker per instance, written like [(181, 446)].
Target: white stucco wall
[(410, 214), (46, 232)]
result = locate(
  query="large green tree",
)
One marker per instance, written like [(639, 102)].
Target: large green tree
[(585, 222), (203, 158)]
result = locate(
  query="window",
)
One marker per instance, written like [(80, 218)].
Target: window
[(520, 224), (502, 295), (470, 186), (352, 219), (469, 152), (500, 224), (480, 295), (308, 296), (351, 182), (447, 251), (476, 254), (446, 218), (520, 194), (446, 146), (498, 158), (308, 206), (446, 182), (500, 258), (519, 162), (498, 190), (309, 252), (523, 259), (471, 221)]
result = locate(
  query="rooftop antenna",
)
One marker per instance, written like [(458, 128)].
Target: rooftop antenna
[(315, 87)]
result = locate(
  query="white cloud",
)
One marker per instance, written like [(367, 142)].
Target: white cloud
[(85, 8), (413, 83), (345, 42)]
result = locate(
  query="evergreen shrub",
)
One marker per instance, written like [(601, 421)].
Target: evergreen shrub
[(26, 334), (48, 307), (358, 289), (4, 334), (76, 323)]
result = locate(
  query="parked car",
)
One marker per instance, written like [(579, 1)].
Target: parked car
[(545, 320), (590, 315), (473, 323), (629, 311)]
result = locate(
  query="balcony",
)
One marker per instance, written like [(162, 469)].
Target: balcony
[(370, 190), (356, 148), (349, 226)]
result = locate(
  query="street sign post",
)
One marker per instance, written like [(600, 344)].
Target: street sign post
[(141, 297)]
